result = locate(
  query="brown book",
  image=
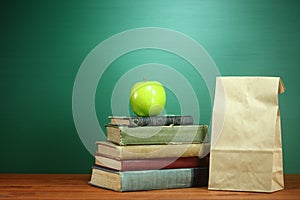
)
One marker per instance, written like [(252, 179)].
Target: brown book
[(150, 164)]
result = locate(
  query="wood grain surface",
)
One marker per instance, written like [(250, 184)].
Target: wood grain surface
[(75, 186)]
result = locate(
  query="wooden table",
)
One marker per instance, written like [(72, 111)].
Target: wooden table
[(74, 186)]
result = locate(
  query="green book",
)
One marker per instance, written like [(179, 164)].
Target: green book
[(125, 135), (149, 179)]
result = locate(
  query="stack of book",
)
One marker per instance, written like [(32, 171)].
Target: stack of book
[(147, 153)]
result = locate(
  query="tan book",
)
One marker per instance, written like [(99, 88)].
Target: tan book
[(151, 151)]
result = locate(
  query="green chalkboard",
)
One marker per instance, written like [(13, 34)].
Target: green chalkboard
[(44, 43)]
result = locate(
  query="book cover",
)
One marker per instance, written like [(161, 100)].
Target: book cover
[(125, 135), (118, 152), (151, 163), (149, 179), (164, 120)]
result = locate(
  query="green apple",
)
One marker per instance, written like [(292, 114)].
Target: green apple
[(147, 98)]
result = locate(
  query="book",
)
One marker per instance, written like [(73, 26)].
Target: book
[(151, 163), (125, 135), (164, 120), (148, 179), (115, 151)]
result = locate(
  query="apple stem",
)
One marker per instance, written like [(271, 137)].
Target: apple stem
[(145, 79)]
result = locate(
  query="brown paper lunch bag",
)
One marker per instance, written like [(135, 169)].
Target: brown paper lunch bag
[(246, 147)]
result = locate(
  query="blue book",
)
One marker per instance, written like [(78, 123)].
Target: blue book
[(149, 179)]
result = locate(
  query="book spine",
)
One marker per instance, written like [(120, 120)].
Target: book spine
[(164, 179), (161, 121), (161, 135), (163, 163), (128, 152), (161, 151)]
